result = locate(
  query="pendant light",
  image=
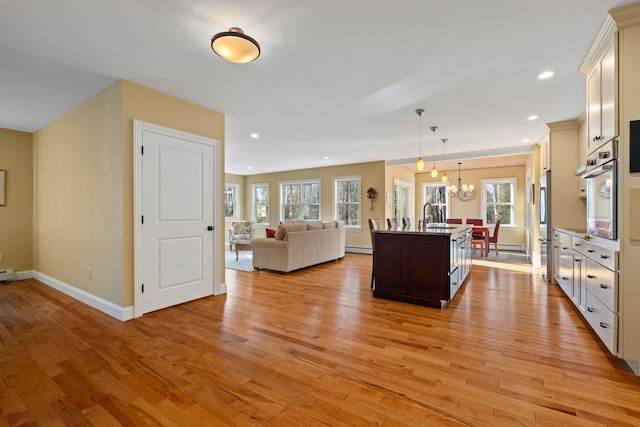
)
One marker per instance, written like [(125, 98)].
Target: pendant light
[(420, 162), (445, 178), (434, 171)]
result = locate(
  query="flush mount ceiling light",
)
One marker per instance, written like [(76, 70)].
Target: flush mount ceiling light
[(434, 171), (420, 162), (235, 46)]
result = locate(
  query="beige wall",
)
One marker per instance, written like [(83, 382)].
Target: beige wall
[(16, 242), (83, 185), (372, 175), (473, 208)]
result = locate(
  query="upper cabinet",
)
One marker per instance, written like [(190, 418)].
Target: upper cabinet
[(601, 95)]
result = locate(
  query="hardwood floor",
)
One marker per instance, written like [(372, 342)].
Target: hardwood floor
[(313, 348)]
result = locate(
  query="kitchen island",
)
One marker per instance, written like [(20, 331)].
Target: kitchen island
[(424, 267)]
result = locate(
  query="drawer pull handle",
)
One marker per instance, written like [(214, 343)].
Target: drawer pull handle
[(590, 310), (603, 325), (591, 276), (603, 286), (565, 278), (564, 247), (604, 257), (577, 244), (577, 260), (590, 251)]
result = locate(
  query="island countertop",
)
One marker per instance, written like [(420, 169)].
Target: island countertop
[(434, 229)]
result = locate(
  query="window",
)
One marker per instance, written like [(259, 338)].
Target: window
[(347, 200), (498, 201), (402, 206), (437, 196), (260, 196), (231, 201), (300, 200)]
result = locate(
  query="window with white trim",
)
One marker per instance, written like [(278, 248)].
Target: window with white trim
[(436, 195), (260, 199), (347, 200), (499, 201), (300, 200), (231, 192)]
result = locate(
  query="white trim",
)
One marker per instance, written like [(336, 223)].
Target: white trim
[(514, 198), (335, 201), (301, 181), (23, 275), (253, 203), (113, 310), (236, 208)]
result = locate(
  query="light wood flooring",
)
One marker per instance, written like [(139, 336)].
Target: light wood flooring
[(313, 348)]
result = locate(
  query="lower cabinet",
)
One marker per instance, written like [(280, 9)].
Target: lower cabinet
[(421, 268), (587, 273)]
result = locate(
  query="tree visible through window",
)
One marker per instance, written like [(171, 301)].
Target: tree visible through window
[(436, 195), (231, 201), (300, 200), (347, 194), (498, 201), (260, 203)]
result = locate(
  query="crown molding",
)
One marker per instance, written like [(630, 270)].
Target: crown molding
[(626, 16), (598, 45)]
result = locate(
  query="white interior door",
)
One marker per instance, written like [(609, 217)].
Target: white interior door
[(176, 248)]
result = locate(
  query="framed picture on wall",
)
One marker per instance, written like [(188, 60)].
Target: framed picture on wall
[(3, 176)]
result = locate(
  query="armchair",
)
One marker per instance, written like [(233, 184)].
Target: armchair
[(241, 231)]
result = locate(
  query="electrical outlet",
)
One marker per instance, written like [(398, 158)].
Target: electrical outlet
[(90, 273)]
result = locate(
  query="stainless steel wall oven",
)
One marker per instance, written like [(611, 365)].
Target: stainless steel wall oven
[(602, 190)]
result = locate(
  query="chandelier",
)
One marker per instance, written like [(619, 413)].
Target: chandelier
[(462, 192)]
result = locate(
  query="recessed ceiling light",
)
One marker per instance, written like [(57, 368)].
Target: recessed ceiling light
[(326, 157), (545, 75), (249, 167), (525, 140), (254, 135), (533, 117)]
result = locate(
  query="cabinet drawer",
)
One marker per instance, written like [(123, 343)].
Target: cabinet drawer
[(579, 245), (603, 283), (604, 256), (603, 322)]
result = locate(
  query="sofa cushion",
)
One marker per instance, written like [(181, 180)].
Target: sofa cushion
[(314, 226), (283, 229), (328, 224), (271, 232)]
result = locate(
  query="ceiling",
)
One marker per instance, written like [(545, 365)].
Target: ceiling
[(336, 78)]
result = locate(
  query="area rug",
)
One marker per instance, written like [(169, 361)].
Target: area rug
[(244, 263)]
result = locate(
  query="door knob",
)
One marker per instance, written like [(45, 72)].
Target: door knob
[(210, 228)]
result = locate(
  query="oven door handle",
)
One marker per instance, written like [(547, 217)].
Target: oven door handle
[(598, 170)]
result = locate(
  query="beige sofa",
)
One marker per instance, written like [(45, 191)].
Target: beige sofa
[(299, 245)]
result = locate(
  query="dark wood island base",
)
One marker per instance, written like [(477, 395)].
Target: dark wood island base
[(425, 267)]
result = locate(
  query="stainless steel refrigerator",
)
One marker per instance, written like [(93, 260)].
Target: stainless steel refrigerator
[(546, 231)]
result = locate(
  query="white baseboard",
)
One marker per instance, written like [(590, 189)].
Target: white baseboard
[(107, 307), (358, 250)]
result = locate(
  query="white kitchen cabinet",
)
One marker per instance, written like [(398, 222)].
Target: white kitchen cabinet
[(601, 98)]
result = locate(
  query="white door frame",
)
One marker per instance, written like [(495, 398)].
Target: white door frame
[(139, 127)]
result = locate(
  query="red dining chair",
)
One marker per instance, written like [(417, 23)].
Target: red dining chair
[(494, 239), (478, 222), (454, 220)]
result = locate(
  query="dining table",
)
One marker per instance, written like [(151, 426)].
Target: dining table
[(477, 229)]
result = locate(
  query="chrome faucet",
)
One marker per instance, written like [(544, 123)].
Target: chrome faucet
[(424, 214)]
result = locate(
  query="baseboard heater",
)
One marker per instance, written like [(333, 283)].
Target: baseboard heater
[(6, 276)]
